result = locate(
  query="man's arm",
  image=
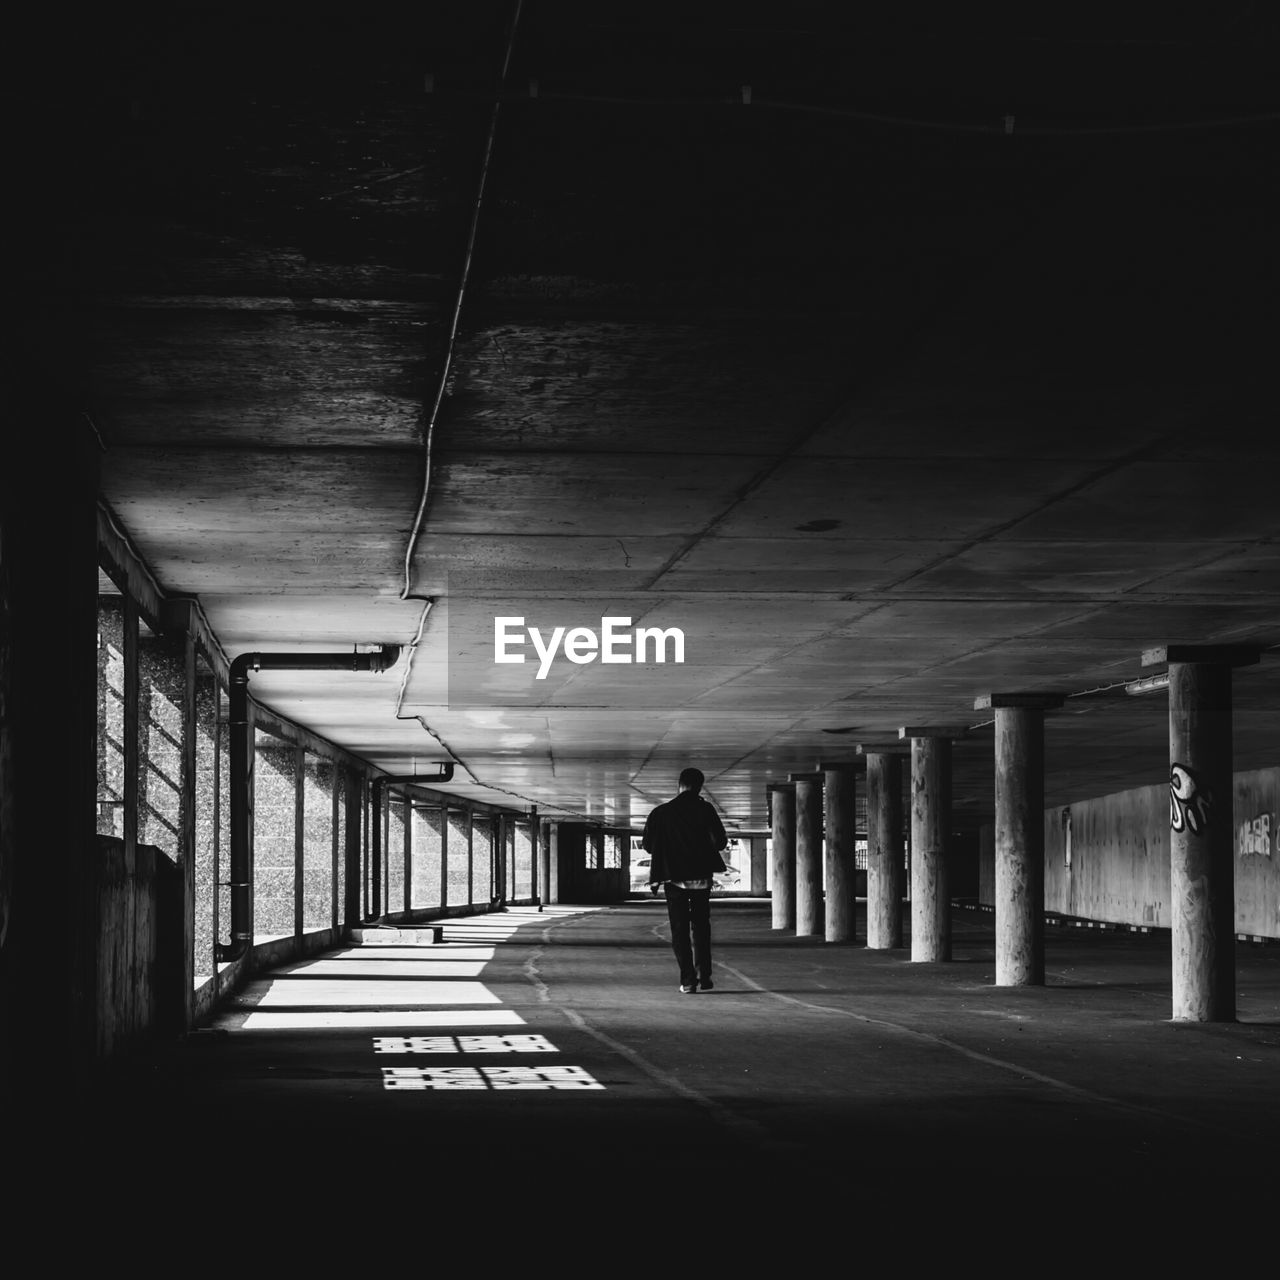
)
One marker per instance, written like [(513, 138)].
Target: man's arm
[(651, 843), (717, 829)]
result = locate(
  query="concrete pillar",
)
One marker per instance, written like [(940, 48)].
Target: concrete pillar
[(839, 784), (352, 827), (782, 807), (537, 871), (552, 894), (930, 827), (542, 855), (759, 883), (48, 740), (498, 876), (1202, 829), (1019, 835), (535, 843), (808, 852), (886, 871)]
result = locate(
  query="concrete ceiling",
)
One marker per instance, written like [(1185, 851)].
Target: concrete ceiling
[(897, 358)]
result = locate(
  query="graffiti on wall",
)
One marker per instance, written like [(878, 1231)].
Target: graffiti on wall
[(1254, 836), (1190, 802)]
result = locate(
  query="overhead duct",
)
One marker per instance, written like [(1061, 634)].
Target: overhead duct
[(241, 751), (378, 786)]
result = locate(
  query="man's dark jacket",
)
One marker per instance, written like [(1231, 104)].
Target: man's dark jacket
[(684, 838)]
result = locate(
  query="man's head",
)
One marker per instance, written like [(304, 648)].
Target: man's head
[(691, 780)]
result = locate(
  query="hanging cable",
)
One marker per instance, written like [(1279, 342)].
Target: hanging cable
[(464, 277), (451, 341)]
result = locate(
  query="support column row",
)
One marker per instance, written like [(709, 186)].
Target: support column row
[(1201, 828), (1202, 852), (813, 817), (801, 885)]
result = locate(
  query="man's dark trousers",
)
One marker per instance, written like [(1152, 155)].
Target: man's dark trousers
[(689, 911)]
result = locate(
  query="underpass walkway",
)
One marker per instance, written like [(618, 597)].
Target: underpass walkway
[(549, 1053)]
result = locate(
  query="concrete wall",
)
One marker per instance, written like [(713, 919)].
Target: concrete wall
[(134, 984), (1256, 807), (1119, 868), (1119, 857)]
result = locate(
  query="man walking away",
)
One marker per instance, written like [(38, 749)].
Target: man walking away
[(684, 838)]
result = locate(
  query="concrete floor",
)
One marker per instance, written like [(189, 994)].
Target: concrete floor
[(812, 1073)]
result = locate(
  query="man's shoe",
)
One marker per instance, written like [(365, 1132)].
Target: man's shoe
[(706, 984), (687, 990)]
